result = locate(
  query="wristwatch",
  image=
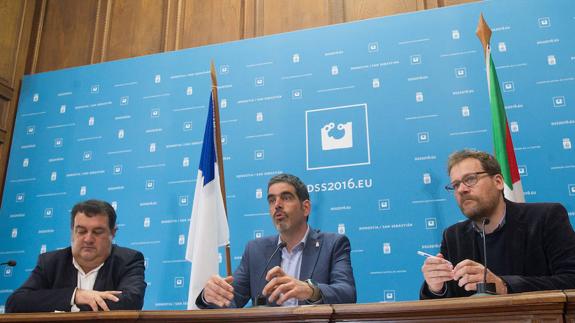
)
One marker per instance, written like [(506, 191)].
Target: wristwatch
[(316, 296)]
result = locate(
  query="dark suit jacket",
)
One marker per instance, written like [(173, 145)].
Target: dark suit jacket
[(325, 259), (541, 246), (51, 284)]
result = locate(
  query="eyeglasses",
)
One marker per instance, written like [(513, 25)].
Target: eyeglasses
[(468, 180)]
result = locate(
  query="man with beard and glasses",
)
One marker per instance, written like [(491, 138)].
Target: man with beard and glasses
[(530, 246), (308, 267)]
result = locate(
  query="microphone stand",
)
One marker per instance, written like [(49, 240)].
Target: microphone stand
[(484, 288), (262, 300)]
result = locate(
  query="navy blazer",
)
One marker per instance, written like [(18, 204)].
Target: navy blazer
[(52, 283), (325, 259), (541, 244)]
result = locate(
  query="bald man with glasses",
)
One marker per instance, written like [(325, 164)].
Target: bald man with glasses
[(530, 246)]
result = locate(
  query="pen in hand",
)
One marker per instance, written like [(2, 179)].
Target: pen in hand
[(426, 255)]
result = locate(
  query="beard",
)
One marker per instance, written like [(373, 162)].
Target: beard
[(480, 207), (282, 226)]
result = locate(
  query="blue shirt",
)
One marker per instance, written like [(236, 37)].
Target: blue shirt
[(291, 263)]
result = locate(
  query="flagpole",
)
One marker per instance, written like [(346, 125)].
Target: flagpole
[(218, 142)]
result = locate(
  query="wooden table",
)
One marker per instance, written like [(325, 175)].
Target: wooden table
[(316, 313), (570, 306), (547, 306)]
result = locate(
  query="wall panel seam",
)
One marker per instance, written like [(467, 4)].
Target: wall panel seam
[(242, 22), (166, 30), (336, 11), (106, 35), (179, 25), (259, 18), (19, 42), (96, 31), (38, 39)]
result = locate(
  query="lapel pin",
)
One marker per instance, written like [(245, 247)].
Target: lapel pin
[(317, 244)]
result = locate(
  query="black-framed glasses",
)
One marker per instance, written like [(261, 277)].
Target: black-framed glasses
[(468, 180)]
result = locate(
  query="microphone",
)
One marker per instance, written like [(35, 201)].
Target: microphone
[(262, 300), (484, 288), (9, 263)]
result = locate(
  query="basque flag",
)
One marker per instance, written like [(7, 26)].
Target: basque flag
[(502, 141)]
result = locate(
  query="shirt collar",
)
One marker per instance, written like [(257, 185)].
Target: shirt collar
[(302, 241), (81, 271)]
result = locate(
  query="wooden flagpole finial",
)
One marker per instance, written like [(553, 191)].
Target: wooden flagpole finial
[(213, 74), (483, 32)]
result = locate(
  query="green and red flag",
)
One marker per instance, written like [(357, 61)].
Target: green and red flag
[(502, 142)]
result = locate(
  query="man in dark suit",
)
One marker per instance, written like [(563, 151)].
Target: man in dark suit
[(92, 274), (309, 267), (530, 246)]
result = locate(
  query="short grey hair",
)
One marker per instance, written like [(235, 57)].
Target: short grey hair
[(300, 188)]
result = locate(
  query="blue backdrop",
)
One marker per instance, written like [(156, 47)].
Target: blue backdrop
[(365, 113)]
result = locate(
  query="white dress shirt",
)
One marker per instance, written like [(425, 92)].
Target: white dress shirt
[(85, 281)]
